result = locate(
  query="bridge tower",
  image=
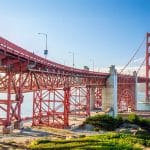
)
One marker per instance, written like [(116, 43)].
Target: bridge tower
[(147, 66)]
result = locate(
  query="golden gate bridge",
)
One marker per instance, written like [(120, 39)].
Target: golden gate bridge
[(60, 91)]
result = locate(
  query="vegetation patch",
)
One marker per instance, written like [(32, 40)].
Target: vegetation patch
[(108, 141), (108, 123), (104, 122)]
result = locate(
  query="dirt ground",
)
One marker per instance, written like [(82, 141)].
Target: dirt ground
[(20, 138)]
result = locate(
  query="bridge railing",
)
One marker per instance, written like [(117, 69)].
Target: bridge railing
[(18, 51)]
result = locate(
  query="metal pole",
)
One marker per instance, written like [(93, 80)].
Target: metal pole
[(73, 64), (73, 59), (92, 64), (45, 41)]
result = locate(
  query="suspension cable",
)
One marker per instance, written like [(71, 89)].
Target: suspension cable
[(138, 70), (133, 55)]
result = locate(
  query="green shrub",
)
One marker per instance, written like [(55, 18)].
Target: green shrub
[(145, 123), (133, 118), (96, 129), (105, 122), (119, 121), (109, 123)]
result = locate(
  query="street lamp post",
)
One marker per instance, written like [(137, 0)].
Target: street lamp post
[(72, 59), (46, 50), (73, 64), (92, 64)]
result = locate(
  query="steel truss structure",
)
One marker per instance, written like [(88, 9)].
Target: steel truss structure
[(126, 93), (58, 91), (10, 102), (51, 107), (80, 101), (98, 97)]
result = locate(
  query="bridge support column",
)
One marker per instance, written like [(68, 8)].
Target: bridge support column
[(110, 93), (10, 105), (147, 67), (136, 82), (88, 101), (8, 121), (37, 102), (98, 98), (66, 106), (92, 98), (95, 98), (19, 99)]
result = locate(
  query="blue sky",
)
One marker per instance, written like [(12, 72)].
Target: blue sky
[(106, 31)]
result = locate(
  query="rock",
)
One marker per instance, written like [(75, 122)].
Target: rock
[(101, 132), (134, 131), (71, 137), (121, 130), (89, 127), (129, 125)]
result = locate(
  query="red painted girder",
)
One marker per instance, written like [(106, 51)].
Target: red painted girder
[(13, 49), (2, 56), (10, 61)]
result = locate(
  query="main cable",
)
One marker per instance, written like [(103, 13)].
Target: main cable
[(133, 55), (138, 70)]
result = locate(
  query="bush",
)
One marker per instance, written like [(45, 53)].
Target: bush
[(104, 122), (145, 124), (109, 123), (133, 118), (119, 121)]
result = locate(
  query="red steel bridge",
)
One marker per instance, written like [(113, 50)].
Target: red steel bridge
[(59, 91)]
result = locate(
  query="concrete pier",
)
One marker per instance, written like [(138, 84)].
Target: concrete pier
[(92, 98), (109, 93)]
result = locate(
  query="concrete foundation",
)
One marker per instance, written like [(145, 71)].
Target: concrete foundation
[(107, 98), (18, 125), (109, 93)]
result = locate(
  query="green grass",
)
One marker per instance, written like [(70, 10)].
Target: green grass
[(108, 141)]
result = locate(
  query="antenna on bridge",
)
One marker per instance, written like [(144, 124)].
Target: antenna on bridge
[(46, 50)]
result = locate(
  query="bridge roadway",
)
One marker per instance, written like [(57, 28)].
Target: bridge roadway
[(57, 87), (13, 55)]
